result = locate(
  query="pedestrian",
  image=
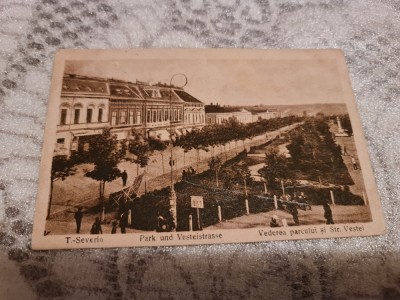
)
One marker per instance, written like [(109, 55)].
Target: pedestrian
[(353, 161), (129, 219), (96, 227), (123, 221), (114, 227), (274, 221), (295, 213), (344, 150), (78, 219), (124, 177), (328, 213)]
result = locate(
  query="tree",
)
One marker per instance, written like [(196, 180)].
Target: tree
[(139, 147), (237, 173), (143, 147), (215, 165), (276, 166), (106, 152), (61, 168), (195, 139)]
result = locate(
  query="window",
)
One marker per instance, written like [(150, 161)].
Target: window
[(166, 115), (100, 116), (138, 117), (114, 118), (122, 117), (148, 116), (131, 115), (61, 141), (89, 115), (63, 119), (76, 115), (159, 115), (154, 116)]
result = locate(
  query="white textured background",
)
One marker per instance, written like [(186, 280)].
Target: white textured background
[(356, 268)]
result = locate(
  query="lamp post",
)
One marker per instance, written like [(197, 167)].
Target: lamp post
[(172, 196)]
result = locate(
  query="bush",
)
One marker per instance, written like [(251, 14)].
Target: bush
[(317, 196)]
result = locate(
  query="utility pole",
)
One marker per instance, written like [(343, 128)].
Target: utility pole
[(172, 196)]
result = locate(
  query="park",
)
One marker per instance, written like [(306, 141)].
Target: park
[(246, 175)]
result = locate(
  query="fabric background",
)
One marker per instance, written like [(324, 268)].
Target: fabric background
[(354, 268)]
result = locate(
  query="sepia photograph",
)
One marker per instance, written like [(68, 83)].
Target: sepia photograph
[(178, 147)]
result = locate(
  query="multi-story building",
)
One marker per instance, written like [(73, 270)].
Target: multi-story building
[(89, 104), (216, 114)]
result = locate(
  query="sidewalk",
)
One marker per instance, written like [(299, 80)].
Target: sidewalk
[(341, 214), (56, 227), (356, 175)]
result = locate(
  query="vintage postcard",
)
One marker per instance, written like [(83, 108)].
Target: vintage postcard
[(160, 147)]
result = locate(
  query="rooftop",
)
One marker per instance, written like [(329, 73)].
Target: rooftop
[(223, 109), (79, 84), (186, 97)]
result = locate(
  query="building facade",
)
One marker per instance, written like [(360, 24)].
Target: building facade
[(89, 104), (267, 114), (216, 114)]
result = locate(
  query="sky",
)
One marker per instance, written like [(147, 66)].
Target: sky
[(229, 81)]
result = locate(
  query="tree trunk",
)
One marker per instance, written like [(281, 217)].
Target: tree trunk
[(162, 162), (198, 159), (50, 199), (145, 179), (226, 155)]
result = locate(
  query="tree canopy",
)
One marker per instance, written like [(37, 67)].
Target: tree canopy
[(106, 152)]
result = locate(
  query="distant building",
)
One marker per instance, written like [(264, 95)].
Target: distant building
[(266, 114), (90, 104), (216, 114), (243, 116)]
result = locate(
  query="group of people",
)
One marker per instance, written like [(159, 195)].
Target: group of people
[(292, 209), (96, 226), (187, 174), (124, 221), (299, 198)]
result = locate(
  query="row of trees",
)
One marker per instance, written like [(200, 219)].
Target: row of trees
[(314, 155), (106, 152), (211, 136)]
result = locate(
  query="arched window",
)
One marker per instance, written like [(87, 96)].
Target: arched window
[(89, 113), (77, 112), (100, 114), (64, 108)]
